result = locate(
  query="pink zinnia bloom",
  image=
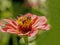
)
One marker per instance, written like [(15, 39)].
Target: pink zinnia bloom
[(33, 3), (29, 24)]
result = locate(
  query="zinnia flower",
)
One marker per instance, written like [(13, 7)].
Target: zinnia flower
[(29, 24), (33, 3)]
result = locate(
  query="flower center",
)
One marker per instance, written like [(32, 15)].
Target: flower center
[(25, 24)]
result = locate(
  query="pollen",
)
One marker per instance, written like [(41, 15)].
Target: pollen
[(25, 23)]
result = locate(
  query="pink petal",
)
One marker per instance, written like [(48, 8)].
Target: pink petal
[(28, 14), (12, 31), (10, 26), (40, 21), (4, 29), (43, 27), (1, 29), (30, 33), (34, 17), (13, 23), (33, 32), (1, 23), (39, 27), (46, 27), (21, 34)]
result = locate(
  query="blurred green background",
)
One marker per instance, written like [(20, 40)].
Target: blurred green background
[(51, 37)]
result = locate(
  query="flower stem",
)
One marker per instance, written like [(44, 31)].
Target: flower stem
[(26, 40)]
